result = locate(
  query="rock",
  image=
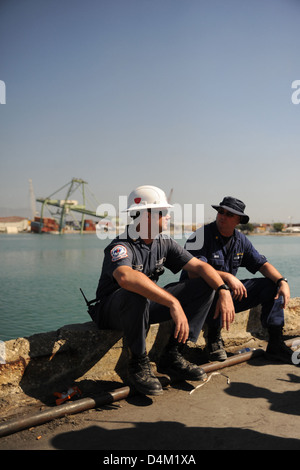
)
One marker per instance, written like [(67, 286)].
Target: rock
[(37, 366)]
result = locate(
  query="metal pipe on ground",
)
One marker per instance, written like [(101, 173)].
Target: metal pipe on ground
[(233, 360), (44, 416), (84, 404)]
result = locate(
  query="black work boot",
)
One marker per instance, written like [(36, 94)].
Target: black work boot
[(142, 377), (215, 345), (172, 362), (277, 349)]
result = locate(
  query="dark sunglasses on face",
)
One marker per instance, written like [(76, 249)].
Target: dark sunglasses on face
[(162, 212), (226, 213)]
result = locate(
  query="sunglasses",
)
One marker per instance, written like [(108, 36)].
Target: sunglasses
[(162, 212), (226, 213)]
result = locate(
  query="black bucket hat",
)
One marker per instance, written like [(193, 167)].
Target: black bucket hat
[(231, 204)]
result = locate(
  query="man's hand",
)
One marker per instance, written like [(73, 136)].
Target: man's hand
[(181, 331), (225, 308), (284, 290), (269, 271), (236, 286)]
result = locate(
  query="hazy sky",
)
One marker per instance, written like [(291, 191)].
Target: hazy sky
[(193, 95)]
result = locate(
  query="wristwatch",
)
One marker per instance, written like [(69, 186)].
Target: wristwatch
[(281, 279), (223, 286)]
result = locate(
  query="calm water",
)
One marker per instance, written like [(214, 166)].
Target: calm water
[(40, 277)]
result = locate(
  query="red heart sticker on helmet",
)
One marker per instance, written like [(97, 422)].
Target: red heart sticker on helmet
[(137, 200)]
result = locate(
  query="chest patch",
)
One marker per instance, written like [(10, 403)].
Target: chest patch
[(118, 252)]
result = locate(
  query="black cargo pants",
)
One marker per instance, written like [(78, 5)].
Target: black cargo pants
[(133, 314)]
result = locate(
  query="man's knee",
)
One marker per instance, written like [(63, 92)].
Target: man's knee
[(190, 289), (268, 290), (122, 307), (260, 289), (130, 300)]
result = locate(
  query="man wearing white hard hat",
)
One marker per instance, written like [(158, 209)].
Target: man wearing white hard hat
[(130, 300)]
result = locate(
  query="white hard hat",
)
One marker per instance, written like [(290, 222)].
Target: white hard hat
[(147, 197)]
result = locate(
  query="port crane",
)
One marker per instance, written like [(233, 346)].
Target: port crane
[(67, 206)]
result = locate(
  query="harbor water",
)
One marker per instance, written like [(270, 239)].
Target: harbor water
[(41, 275)]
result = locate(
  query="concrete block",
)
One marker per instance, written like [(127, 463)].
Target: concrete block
[(41, 364)]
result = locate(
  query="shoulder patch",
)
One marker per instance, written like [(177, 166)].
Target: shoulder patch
[(118, 252)]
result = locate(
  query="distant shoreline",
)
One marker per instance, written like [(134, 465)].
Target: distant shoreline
[(275, 234), (92, 232)]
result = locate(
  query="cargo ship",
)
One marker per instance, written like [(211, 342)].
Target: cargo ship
[(44, 225), (48, 224)]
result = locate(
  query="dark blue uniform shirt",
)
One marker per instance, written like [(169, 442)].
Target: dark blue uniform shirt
[(226, 254), (148, 259)]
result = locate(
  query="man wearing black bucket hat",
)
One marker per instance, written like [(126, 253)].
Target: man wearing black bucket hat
[(227, 249)]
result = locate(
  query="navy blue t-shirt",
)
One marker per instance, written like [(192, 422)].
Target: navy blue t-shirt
[(225, 254), (150, 259)]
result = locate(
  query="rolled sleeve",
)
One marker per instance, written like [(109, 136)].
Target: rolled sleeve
[(177, 257), (252, 259)]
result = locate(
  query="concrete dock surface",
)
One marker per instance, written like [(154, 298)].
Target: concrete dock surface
[(252, 405)]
